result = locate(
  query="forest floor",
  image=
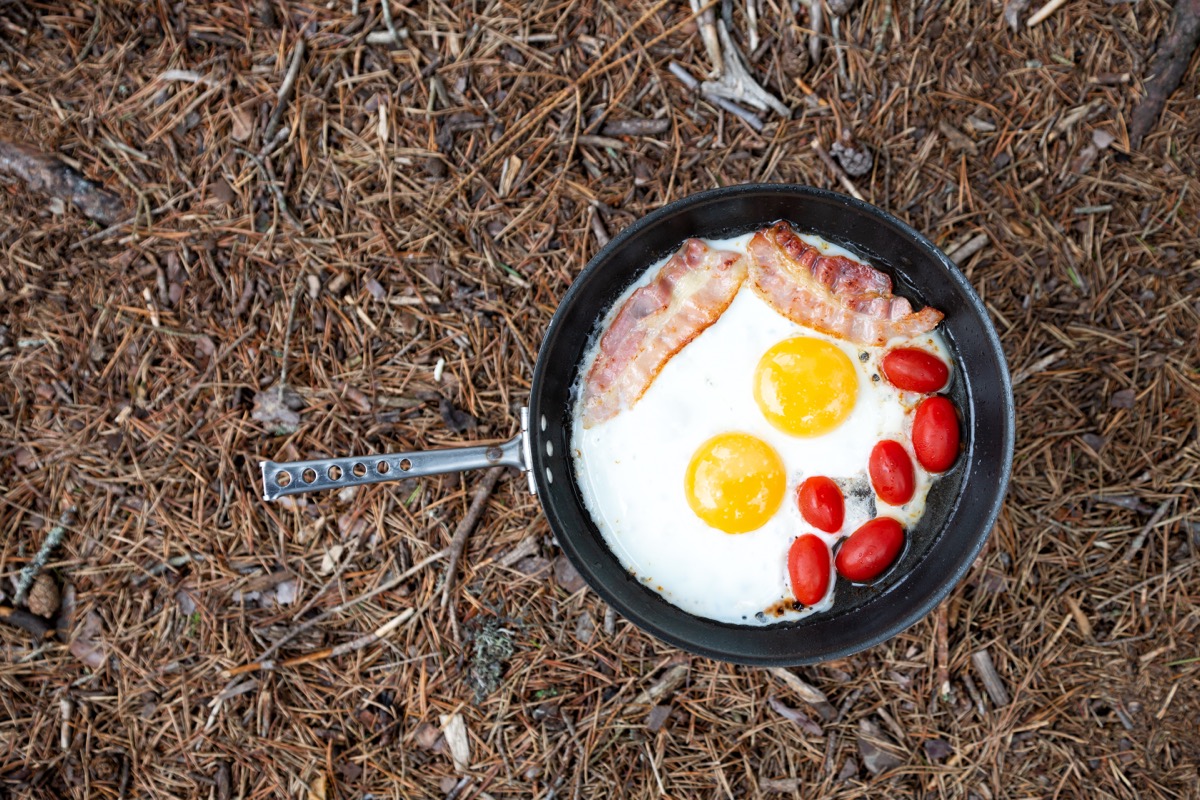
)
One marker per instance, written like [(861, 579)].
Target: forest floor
[(389, 240)]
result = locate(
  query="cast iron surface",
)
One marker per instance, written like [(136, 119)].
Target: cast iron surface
[(961, 507)]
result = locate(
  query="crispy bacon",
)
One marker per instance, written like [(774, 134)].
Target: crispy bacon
[(687, 295), (832, 294)]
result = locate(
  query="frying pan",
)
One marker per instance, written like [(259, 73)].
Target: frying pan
[(960, 509)]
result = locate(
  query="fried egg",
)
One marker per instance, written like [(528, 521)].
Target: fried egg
[(694, 487)]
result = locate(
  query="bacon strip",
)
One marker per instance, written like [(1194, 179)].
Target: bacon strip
[(832, 294), (687, 295)]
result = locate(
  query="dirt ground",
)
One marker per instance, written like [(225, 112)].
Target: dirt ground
[(415, 207)]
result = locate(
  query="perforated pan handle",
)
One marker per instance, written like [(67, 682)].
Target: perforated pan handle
[(299, 477)]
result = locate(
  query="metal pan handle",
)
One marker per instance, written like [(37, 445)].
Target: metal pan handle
[(299, 477)]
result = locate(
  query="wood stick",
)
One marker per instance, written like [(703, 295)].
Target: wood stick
[(982, 660), (1140, 539), (387, 585), (348, 647), (1172, 54), (1044, 12), (285, 89), (30, 623), (942, 691), (44, 173), (474, 512), (30, 572), (969, 248)]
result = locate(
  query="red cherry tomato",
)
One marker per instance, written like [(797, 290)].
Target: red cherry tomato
[(914, 370), (935, 434), (892, 473), (808, 567), (822, 504), (870, 550)]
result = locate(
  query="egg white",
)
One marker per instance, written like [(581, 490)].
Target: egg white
[(631, 468)]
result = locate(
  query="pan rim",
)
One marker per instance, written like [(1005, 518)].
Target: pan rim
[(963, 557)]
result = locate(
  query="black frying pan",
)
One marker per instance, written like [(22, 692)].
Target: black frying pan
[(960, 509)]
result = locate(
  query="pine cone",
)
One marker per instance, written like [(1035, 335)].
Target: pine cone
[(43, 598), (855, 158)]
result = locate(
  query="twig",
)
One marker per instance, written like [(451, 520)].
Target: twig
[(972, 246), (666, 684), (733, 108), (708, 32), (687, 80), (285, 89), (474, 512), (341, 649), (738, 84), (1140, 539), (843, 179), (387, 585), (388, 22), (982, 660), (30, 623), (33, 569), (186, 76), (287, 337), (1040, 365), (805, 691), (65, 707), (942, 691), (275, 190), (111, 229), (1044, 13), (44, 173), (1172, 55), (814, 39)]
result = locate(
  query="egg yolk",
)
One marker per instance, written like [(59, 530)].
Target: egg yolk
[(805, 386), (735, 482)]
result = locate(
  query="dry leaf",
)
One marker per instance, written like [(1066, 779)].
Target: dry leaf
[(585, 628), (566, 575), (801, 719), (273, 409), (455, 731), (87, 645), (332, 556), (243, 125), (316, 789)]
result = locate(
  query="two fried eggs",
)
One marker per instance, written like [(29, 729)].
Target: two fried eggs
[(693, 488)]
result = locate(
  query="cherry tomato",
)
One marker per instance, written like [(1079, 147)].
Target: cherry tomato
[(808, 567), (821, 503), (891, 473), (914, 370), (935, 434), (870, 550)]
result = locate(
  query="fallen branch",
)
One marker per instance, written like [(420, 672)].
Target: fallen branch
[(733, 108), (33, 569), (331, 652), (1043, 13), (942, 690), (387, 585), (1140, 539), (1172, 55), (285, 90), (30, 623), (45, 173), (736, 82), (468, 523)]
